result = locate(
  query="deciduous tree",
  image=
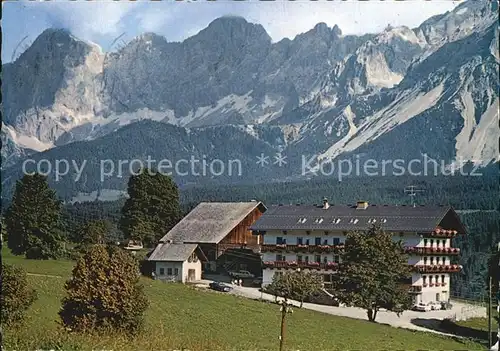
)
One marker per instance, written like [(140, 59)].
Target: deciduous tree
[(152, 208), (104, 292), (296, 285), (94, 232), (33, 219), (16, 295), (372, 272)]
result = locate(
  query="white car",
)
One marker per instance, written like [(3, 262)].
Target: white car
[(241, 274), (422, 307)]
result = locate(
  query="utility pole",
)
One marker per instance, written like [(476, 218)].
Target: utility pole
[(496, 347), (490, 343)]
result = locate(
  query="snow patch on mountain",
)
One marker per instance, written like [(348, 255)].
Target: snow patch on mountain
[(25, 141), (398, 112)]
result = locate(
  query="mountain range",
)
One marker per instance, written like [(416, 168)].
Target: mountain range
[(229, 92)]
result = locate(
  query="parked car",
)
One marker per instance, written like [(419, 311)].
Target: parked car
[(422, 307), (257, 281), (218, 286), (241, 274), (435, 306), (445, 305)]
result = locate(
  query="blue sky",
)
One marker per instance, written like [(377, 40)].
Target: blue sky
[(103, 21)]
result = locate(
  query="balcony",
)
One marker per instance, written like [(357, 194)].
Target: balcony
[(432, 250), (302, 248), (443, 233), (300, 264), (439, 268)]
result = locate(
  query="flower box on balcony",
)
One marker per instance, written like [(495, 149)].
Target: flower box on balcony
[(438, 284), (431, 285), (281, 246), (301, 246), (424, 285), (443, 284), (292, 263), (314, 264), (269, 263)]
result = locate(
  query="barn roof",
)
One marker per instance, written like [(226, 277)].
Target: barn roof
[(210, 222), (349, 217), (172, 252)]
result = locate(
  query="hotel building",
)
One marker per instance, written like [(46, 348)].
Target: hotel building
[(312, 238)]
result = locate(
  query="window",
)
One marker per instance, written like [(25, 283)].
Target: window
[(442, 278), (318, 220), (279, 274), (432, 242), (424, 279), (307, 259), (307, 241), (438, 260), (279, 240), (336, 241), (425, 261), (169, 271), (325, 260), (425, 242), (299, 258), (280, 257), (325, 242), (317, 241), (299, 241), (162, 271), (318, 258), (176, 271), (432, 260), (336, 258)]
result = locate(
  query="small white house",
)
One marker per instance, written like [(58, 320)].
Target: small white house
[(177, 262)]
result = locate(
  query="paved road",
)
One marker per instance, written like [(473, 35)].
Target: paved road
[(383, 317)]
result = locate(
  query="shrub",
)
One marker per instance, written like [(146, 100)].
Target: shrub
[(16, 295), (104, 292)]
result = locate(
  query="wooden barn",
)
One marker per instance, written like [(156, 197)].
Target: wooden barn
[(221, 231)]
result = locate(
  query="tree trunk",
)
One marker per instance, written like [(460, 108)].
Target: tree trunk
[(371, 314), (301, 303), (282, 334)]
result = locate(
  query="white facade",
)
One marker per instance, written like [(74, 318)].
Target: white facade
[(427, 286), (187, 271)]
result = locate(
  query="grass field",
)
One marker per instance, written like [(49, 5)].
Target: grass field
[(183, 318)]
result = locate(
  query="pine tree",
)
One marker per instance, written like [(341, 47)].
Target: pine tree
[(152, 208), (372, 272), (104, 292), (33, 219)]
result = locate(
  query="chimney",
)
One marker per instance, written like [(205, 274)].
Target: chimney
[(362, 205), (325, 204)]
